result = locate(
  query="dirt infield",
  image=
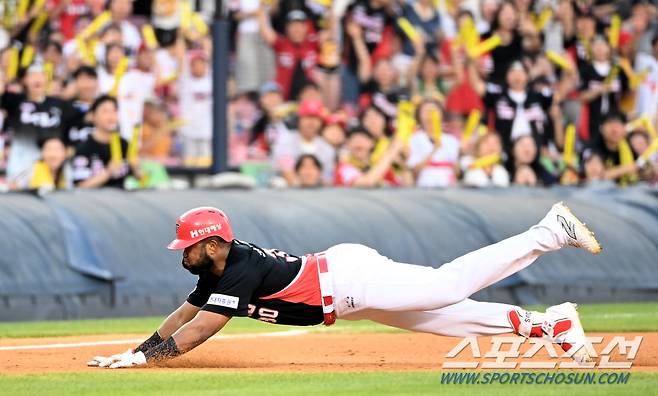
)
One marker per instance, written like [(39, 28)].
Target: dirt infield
[(296, 352)]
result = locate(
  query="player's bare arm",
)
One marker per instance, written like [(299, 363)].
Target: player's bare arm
[(197, 331)]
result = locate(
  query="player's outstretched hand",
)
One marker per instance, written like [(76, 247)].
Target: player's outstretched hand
[(130, 360), (105, 361)]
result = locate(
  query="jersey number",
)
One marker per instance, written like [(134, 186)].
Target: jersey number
[(264, 314)]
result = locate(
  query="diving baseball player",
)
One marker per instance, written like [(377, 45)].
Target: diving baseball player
[(353, 282)]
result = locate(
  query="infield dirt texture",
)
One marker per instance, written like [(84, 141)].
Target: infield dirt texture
[(295, 352)]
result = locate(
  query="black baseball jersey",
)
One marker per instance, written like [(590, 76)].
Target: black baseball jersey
[(38, 120), (503, 108), (91, 158), (80, 127), (269, 285), (603, 104)]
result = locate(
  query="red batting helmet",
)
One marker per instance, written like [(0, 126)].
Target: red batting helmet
[(198, 224)]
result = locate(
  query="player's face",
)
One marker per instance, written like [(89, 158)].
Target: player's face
[(196, 260)]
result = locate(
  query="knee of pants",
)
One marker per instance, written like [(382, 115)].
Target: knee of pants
[(455, 290)]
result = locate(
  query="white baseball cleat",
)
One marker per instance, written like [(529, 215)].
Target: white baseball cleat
[(570, 230), (562, 326)]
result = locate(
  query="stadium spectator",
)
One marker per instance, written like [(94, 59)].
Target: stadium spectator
[(488, 10), (95, 164), (114, 53), (156, 133), (296, 52), (646, 99), (354, 168), (426, 76), (381, 89), (52, 171), (485, 170), (506, 25), (368, 25), (136, 86), (53, 55), (109, 35), (308, 169), (195, 101), (334, 130), (242, 117), (578, 42), (66, 13), (326, 84), (375, 122), (602, 85), (593, 168), (425, 17), (254, 64), (433, 162), (306, 140), (517, 109), (121, 10), (526, 165), (32, 116), (83, 90), (270, 122), (640, 143), (461, 98), (612, 146), (166, 17), (642, 26)]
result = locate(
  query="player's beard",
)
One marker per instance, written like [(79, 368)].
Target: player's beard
[(204, 265)]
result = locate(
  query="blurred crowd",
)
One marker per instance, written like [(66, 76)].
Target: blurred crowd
[(359, 93)]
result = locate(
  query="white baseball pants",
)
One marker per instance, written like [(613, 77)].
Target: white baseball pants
[(370, 286)]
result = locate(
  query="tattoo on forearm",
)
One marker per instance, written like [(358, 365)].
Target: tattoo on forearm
[(163, 351), (152, 341)]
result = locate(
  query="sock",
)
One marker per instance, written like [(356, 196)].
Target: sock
[(526, 323)]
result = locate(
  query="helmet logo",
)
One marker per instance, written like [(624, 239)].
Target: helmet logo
[(205, 230)]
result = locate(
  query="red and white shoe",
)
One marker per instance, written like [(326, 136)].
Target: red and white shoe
[(569, 230), (559, 325), (562, 326)]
